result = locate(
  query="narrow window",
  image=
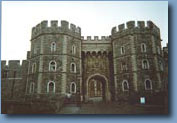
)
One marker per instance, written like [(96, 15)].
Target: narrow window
[(125, 85), (148, 85), (73, 49), (145, 64), (34, 68), (73, 87), (143, 47), (73, 67), (122, 50), (53, 47), (51, 87), (52, 66)]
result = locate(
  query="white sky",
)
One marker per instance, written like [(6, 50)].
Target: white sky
[(94, 18)]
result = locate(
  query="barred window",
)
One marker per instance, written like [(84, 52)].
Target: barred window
[(53, 47), (145, 64), (52, 66)]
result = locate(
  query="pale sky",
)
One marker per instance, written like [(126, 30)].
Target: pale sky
[(94, 18)]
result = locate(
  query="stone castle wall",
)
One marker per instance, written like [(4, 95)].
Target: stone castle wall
[(13, 79), (107, 49)]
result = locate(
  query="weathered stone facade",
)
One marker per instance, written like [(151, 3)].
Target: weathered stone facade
[(129, 63)]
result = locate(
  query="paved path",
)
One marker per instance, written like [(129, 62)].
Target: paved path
[(111, 108), (70, 109)]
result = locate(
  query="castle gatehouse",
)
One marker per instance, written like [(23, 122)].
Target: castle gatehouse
[(127, 64)]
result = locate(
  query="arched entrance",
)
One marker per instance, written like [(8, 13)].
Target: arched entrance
[(97, 88)]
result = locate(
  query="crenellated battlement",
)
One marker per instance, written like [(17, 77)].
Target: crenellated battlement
[(135, 27), (11, 64), (96, 38), (65, 27)]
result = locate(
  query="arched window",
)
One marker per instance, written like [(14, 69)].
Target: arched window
[(143, 48), (51, 87), (161, 65), (52, 66), (73, 49), (145, 64), (122, 50), (148, 85), (73, 87), (34, 68), (73, 67), (53, 47), (31, 90), (125, 85)]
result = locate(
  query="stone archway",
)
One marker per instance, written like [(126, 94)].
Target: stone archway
[(97, 88)]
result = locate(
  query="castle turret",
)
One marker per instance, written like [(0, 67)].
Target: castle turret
[(137, 57), (55, 59)]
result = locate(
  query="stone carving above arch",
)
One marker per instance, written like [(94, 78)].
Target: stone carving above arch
[(96, 62)]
